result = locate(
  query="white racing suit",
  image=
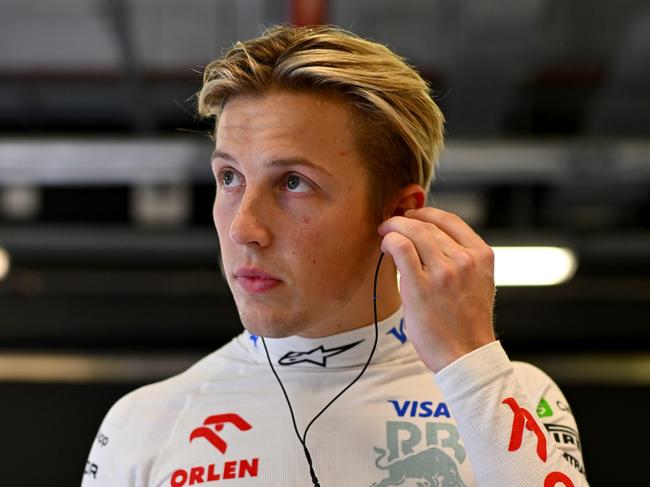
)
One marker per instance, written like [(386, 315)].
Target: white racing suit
[(481, 421)]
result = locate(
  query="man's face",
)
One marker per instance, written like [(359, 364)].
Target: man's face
[(291, 210)]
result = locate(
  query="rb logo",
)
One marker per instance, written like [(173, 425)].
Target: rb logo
[(429, 465)]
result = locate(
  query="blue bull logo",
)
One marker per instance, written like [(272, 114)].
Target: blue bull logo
[(433, 466)]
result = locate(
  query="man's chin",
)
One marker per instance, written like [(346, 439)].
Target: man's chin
[(269, 330), (270, 325)]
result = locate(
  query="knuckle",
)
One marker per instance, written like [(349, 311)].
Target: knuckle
[(420, 229), (450, 217), (430, 227), (424, 230), (446, 275), (465, 260), (403, 245), (489, 253), (397, 242)]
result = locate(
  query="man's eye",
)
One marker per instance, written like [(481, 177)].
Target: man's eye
[(229, 179), (296, 184)]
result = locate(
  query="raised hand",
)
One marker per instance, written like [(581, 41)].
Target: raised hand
[(446, 285)]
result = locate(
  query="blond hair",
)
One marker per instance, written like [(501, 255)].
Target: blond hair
[(400, 128)]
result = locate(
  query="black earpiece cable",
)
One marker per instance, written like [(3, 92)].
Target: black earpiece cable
[(303, 438)]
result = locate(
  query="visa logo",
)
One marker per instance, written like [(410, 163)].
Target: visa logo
[(422, 409)]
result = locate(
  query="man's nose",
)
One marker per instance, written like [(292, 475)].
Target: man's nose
[(250, 224)]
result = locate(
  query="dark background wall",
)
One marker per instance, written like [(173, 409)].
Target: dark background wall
[(105, 197)]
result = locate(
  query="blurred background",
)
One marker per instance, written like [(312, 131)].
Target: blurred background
[(109, 273)]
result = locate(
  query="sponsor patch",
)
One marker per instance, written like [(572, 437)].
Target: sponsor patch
[(91, 469), (554, 479), (564, 436), (420, 409), (544, 409), (226, 470), (562, 406), (429, 456), (214, 424), (234, 469), (522, 417), (575, 462)]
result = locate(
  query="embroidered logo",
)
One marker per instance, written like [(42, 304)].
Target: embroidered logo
[(318, 355)]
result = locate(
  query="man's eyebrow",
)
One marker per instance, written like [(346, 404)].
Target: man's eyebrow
[(298, 161), (222, 155), (289, 161)]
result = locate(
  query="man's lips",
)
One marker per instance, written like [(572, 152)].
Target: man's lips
[(255, 280)]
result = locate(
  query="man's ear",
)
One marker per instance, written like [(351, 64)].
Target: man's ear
[(410, 197)]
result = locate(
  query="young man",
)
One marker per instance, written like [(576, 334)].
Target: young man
[(325, 146)]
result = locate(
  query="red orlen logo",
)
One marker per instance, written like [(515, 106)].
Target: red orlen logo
[(524, 418), (217, 422)]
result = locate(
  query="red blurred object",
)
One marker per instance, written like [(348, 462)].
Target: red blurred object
[(308, 12)]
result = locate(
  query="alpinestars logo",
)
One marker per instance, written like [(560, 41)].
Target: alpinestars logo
[(318, 355), (217, 422)]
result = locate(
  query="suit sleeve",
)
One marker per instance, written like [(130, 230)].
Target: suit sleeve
[(553, 411), (510, 440), (111, 461)]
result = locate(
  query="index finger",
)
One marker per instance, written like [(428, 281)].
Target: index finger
[(451, 224)]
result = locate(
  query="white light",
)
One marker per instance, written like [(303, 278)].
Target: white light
[(161, 205), (4, 263), (20, 202), (533, 266)]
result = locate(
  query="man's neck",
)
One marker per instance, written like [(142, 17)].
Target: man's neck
[(359, 315)]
